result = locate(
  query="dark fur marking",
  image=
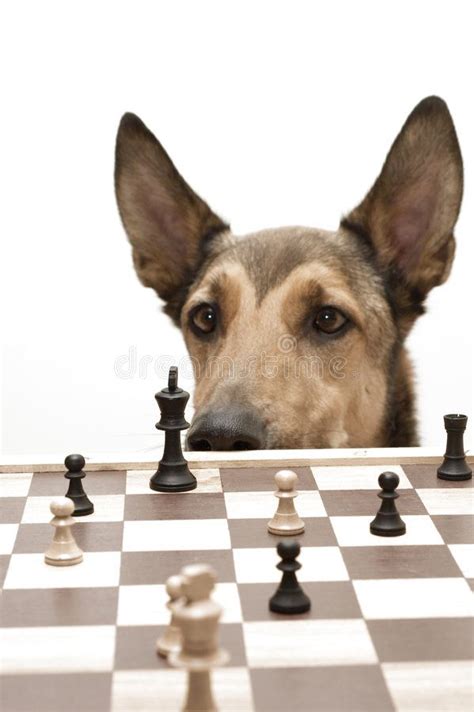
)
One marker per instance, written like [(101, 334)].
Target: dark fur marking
[(360, 232), (174, 306), (278, 261), (402, 299)]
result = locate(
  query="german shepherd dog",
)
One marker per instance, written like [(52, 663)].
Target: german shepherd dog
[(296, 334)]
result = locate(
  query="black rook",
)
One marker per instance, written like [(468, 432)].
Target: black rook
[(454, 465)]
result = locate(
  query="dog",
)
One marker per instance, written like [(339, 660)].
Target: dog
[(297, 334)]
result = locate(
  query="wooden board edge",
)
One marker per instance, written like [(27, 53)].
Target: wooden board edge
[(250, 458)]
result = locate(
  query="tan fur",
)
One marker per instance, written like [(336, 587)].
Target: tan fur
[(330, 409)]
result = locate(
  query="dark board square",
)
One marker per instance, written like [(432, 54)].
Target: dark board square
[(90, 536), (59, 606), (99, 536), (386, 562), (260, 479), (11, 510), (55, 484), (144, 567), (355, 688), (189, 505), (365, 502), (135, 647), (423, 639), (329, 599), (455, 528), (424, 476), (4, 563), (251, 533), (56, 693)]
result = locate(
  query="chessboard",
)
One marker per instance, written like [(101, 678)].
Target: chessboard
[(390, 625)]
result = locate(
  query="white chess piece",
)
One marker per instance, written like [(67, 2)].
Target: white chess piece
[(286, 521), (198, 618), (171, 639), (63, 550)]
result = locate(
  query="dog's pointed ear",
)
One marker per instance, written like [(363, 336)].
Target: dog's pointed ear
[(410, 212), (168, 225)]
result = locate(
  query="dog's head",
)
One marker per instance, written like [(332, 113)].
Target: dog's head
[(296, 334)]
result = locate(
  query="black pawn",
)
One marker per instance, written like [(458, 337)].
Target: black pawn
[(289, 596), (173, 474), (387, 521), (454, 465), (75, 474)]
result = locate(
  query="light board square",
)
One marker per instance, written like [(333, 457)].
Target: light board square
[(319, 563), (316, 642), (355, 531), (165, 690), (227, 595), (8, 534), (15, 484), (352, 477), (176, 535), (146, 604), (208, 479), (143, 605), (138, 481), (107, 508), (414, 598), (58, 649), (96, 570), (263, 505), (430, 686), (448, 501), (464, 557)]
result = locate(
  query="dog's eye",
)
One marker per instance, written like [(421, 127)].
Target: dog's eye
[(203, 319), (329, 320)]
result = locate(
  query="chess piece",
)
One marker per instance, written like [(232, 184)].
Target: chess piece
[(286, 521), (173, 474), (289, 596), (63, 550), (198, 619), (75, 475), (454, 465), (387, 521), (171, 638)]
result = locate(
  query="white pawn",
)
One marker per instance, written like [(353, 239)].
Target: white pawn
[(286, 521), (198, 617), (171, 639), (63, 550)]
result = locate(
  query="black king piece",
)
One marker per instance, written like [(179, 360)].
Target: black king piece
[(173, 473)]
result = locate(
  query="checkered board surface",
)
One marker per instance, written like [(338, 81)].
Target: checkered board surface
[(389, 628)]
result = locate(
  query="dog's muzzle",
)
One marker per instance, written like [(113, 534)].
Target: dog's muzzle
[(230, 428)]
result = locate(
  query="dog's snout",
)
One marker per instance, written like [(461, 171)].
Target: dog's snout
[(232, 428)]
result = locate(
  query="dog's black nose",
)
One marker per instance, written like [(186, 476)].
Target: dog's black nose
[(231, 428)]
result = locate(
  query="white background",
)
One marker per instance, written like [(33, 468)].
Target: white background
[(276, 113)]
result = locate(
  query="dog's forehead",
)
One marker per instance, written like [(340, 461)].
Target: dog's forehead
[(268, 257)]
